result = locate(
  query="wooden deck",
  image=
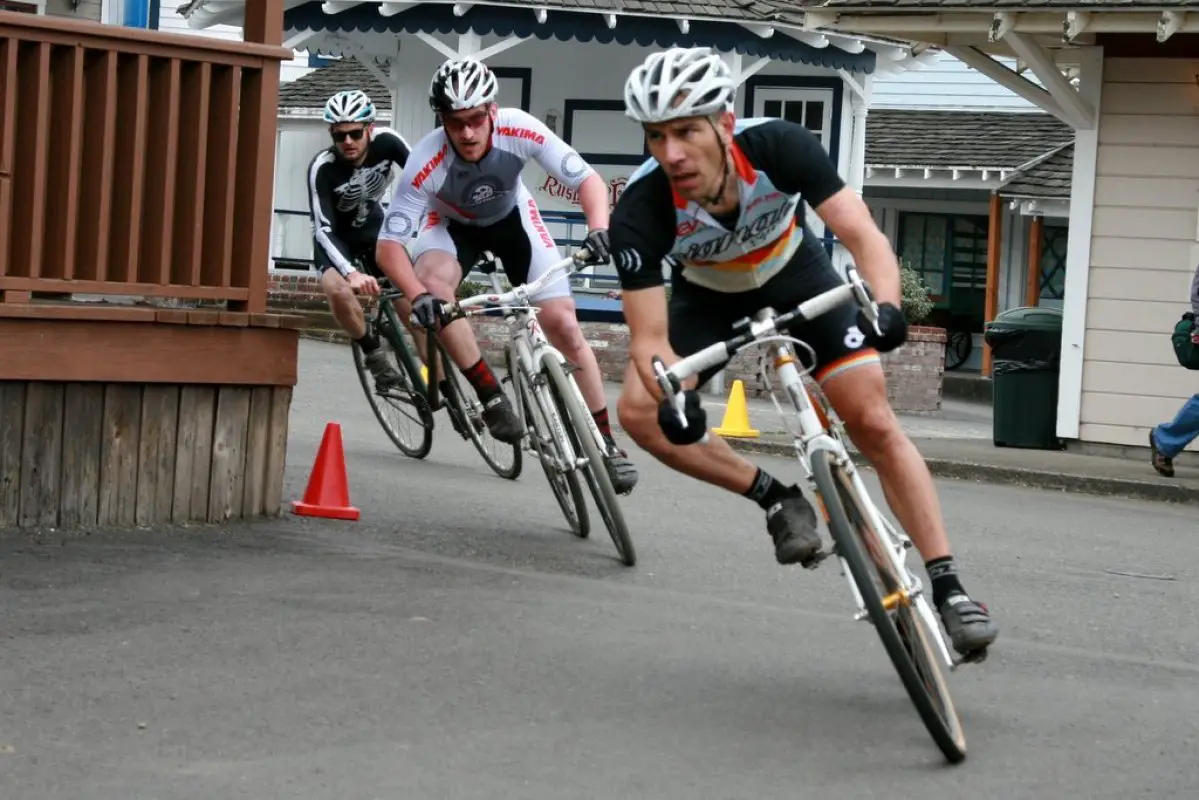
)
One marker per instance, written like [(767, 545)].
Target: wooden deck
[(138, 166)]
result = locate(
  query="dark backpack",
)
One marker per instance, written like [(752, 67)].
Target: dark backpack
[(1185, 350)]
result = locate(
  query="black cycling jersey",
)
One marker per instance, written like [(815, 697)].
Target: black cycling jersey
[(778, 165), (344, 199)]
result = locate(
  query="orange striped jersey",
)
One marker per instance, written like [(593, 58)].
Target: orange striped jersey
[(778, 165)]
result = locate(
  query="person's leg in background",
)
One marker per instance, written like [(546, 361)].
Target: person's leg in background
[(1169, 439)]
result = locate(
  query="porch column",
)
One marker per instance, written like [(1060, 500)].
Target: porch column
[(857, 158), (1078, 250), (1036, 239), (994, 243)]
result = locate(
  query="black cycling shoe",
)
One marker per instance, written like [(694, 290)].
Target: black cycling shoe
[(968, 624), (792, 524), (620, 468), (502, 420), (385, 375)]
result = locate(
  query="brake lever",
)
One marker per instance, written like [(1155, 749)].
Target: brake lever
[(672, 388), (864, 298)]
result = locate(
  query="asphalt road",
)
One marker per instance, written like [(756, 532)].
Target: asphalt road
[(458, 642)]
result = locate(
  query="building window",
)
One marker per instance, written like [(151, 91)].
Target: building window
[(1053, 262), (601, 132), (811, 108), (950, 254)]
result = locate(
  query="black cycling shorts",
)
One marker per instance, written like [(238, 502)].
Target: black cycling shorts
[(700, 317), (361, 244)]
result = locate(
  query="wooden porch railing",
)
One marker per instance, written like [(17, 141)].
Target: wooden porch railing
[(137, 162)]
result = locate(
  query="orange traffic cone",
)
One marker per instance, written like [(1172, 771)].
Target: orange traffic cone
[(328, 492), (736, 416)]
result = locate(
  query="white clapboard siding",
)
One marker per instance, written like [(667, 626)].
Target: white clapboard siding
[(1144, 251), (946, 84), (170, 20), (87, 9)]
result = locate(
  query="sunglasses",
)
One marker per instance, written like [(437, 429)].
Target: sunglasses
[(341, 136)]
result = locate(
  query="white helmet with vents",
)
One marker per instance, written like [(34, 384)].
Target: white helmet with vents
[(460, 84), (351, 106), (677, 83)]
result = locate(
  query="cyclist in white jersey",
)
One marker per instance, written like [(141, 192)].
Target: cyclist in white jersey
[(467, 176), (721, 206)]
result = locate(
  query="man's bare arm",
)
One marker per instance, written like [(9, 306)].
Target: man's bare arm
[(848, 217), (646, 315)]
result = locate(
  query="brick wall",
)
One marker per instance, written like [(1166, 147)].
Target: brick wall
[(914, 371)]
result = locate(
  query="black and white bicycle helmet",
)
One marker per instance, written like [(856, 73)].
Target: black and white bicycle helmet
[(677, 83), (349, 106), (459, 84)]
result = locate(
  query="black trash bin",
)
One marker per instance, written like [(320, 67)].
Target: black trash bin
[(1026, 349)]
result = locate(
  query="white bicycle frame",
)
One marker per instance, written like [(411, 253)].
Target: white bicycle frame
[(812, 435), (528, 341)]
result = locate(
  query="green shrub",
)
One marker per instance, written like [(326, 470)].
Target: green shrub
[(471, 288), (917, 304)]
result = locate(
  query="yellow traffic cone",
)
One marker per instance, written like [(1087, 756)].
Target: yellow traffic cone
[(736, 416)]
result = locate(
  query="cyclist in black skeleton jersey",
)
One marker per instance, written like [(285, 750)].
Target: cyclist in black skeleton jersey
[(721, 205), (345, 183), (467, 175)]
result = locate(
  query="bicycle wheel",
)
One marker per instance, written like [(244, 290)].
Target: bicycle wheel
[(542, 420), (596, 471), (906, 638), (399, 407), (466, 412)]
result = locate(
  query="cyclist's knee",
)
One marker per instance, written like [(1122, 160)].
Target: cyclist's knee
[(559, 322), (336, 287), (439, 272)]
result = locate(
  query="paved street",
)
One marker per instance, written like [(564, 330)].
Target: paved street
[(458, 642)]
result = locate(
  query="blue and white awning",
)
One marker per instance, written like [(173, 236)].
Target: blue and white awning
[(366, 28)]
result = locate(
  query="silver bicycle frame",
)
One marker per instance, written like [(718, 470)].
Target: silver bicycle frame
[(813, 436), (529, 343)]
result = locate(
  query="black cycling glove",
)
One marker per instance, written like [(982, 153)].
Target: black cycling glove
[(428, 310), (597, 245), (891, 322), (693, 411)]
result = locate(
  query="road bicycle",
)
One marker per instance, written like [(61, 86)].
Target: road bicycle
[(560, 431), (872, 552), (414, 399)]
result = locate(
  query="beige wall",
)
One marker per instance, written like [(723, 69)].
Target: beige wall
[(1143, 249)]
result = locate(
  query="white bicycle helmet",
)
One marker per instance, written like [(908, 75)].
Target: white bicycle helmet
[(460, 84), (677, 83), (351, 106)]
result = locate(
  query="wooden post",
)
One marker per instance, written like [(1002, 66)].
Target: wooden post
[(264, 22), (1036, 238), (994, 235), (260, 95)]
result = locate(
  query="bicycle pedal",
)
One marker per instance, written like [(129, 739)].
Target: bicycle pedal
[(816, 560), (976, 657)]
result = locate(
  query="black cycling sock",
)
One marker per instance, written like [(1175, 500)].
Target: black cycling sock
[(483, 379), (943, 572), (766, 491), (369, 343)]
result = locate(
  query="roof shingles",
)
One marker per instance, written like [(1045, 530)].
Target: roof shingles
[(1046, 179), (963, 139)]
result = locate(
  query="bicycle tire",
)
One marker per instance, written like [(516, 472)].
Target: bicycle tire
[(419, 401), (596, 473), (946, 733), (564, 485), (438, 354)]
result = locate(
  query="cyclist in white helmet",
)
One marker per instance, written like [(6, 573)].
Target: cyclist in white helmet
[(467, 175), (721, 205), (345, 183)]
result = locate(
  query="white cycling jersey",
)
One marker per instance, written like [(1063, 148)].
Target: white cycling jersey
[(484, 205), (482, 193)]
